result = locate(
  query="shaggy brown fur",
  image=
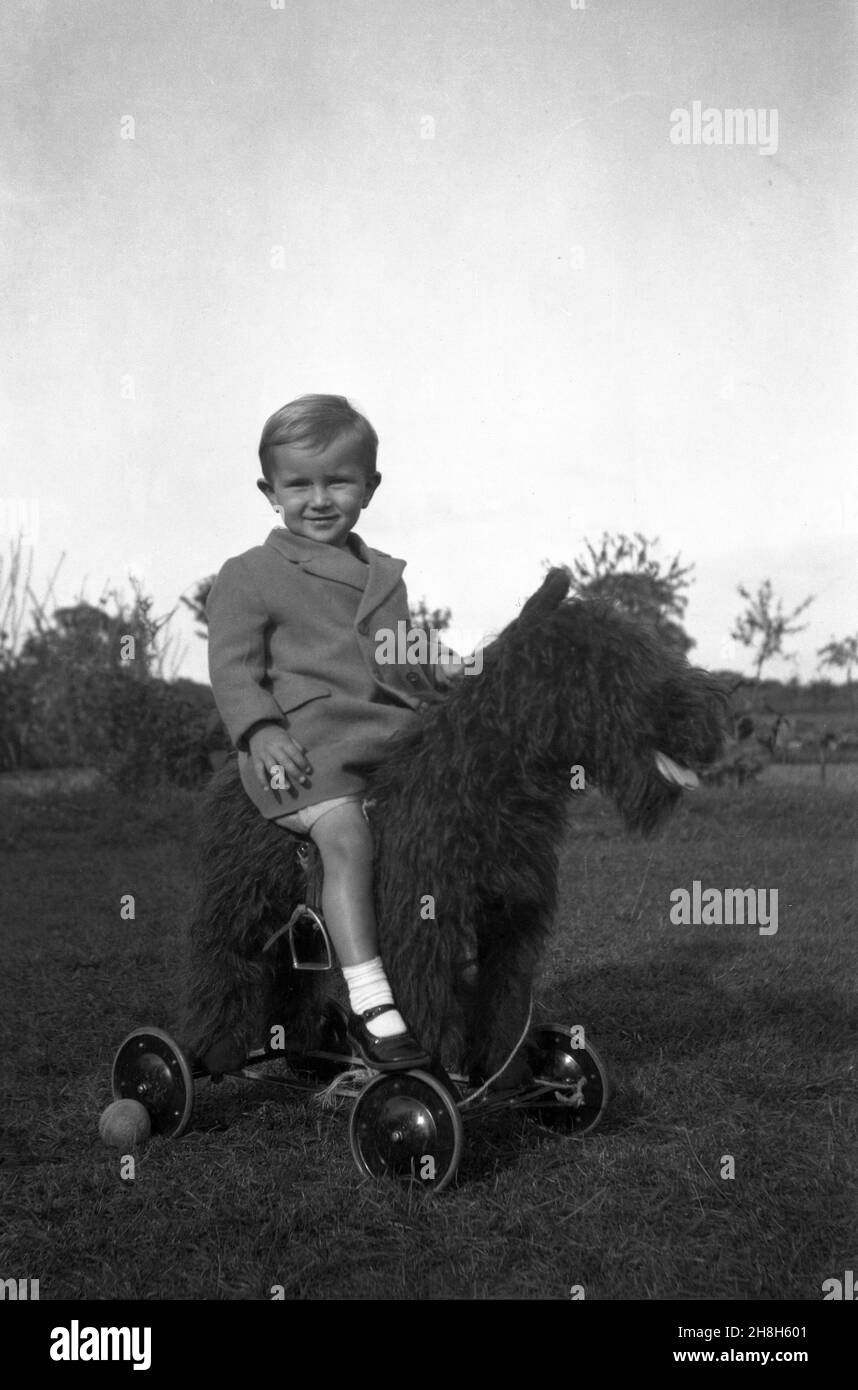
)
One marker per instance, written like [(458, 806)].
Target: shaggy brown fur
[(467, 814)]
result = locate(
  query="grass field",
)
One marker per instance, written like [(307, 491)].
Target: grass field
[(722, 1041)]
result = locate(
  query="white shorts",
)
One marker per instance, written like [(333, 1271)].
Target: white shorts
[(301, 822)]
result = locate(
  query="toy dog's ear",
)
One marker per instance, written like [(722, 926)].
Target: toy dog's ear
[(553, 590)]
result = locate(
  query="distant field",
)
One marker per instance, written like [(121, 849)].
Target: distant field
[(803, 730), (838, 776), (723, 1042)]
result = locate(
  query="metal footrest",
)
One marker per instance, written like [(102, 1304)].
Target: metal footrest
[(309, 943)]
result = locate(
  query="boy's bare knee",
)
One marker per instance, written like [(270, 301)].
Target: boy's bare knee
[(343, 833)]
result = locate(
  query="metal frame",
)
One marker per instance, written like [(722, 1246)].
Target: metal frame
[(164, 1067)]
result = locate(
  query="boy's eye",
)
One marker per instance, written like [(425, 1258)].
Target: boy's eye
[(328, 482)]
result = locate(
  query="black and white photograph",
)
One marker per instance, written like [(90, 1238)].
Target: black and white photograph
[(429, 669)]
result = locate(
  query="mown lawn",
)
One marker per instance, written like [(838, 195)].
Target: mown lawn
[(722, 1042)]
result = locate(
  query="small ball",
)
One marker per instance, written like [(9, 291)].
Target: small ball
[(124, 1124)]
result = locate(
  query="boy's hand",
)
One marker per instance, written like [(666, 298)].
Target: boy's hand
[(271, 747), (450, 672)]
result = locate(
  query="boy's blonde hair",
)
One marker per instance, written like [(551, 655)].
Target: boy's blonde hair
[(313, 422)]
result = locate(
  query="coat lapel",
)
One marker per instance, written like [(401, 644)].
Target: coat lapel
[(377, 577), (385, 574), (326, 561)]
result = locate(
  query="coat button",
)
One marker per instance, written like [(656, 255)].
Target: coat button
[(413, 678), (363, 628)]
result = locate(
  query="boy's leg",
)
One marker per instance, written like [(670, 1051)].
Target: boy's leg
[(345, 845)]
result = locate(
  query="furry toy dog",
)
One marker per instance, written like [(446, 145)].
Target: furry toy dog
[(467, 814)]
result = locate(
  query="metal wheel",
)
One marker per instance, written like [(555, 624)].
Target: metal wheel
[(406, 1125), (583, 1085), (152, 1068)]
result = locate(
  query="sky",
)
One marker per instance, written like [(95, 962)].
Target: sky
[(474, 219)]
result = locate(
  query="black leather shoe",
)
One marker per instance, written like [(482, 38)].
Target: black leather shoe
[(397, 1053)]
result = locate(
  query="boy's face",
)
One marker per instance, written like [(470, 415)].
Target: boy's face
[(322, 492)]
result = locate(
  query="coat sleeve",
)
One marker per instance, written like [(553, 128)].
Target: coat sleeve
[(238, 621)]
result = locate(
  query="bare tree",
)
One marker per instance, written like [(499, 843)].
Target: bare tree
[(764, 625), (624, 570), (435, 619), (841, 655)]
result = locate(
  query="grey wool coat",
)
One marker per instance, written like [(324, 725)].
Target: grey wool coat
[(293, 634)]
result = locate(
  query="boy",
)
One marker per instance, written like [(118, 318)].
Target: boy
[(292, 659)]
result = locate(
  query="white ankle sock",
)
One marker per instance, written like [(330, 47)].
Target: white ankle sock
[(368, 987)]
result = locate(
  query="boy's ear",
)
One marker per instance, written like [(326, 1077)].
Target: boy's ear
[(266, 489), (371, 484)]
